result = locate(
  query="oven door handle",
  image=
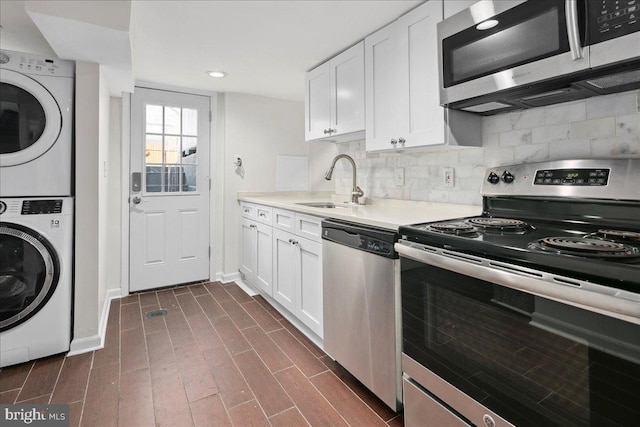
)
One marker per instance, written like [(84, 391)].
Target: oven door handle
[(601, 299)]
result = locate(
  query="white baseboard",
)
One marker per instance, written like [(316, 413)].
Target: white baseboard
[(237, 278), (96, 342), (246, 287), (228, 277)]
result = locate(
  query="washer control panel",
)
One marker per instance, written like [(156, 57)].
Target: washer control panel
[(41, 207)]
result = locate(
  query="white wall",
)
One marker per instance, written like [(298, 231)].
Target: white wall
[(87, 242), (599, 127), (113, 199), (93, 210), (258, 129)]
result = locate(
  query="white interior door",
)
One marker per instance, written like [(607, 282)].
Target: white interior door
[(169, 189)]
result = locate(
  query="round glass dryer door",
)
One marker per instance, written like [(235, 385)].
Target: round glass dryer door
[(29, 271), (30, 119)]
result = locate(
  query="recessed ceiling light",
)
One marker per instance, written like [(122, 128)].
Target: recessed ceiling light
[(489, 23), (216, 73)]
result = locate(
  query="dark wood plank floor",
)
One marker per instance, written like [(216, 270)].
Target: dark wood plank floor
[(219, 357)]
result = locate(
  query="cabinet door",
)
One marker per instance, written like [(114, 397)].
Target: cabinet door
[(285, 262), (264, 258), (310, 288), (249, 244), (421, 117), (317, 102), (347, 91), (381, 74)]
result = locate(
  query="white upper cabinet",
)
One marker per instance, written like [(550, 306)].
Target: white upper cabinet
[(401, 74), (453, 7), (334, 98)]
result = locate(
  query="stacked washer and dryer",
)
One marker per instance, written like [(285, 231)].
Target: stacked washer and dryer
[(36, 206)]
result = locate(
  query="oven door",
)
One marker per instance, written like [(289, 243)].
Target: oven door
[(530, 41), (533, 360)]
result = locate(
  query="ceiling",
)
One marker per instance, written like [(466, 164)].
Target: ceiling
[(265, 47)]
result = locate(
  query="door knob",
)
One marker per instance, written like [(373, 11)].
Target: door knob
[(136, 200)]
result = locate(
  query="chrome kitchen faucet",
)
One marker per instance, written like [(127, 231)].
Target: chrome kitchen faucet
[(356, 192)]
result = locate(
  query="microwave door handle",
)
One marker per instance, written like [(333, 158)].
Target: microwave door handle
[(573, 31)]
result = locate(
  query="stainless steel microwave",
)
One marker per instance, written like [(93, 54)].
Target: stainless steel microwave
[(501, 55)]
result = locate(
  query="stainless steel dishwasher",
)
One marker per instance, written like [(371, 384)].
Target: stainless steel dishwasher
[(361, 276)]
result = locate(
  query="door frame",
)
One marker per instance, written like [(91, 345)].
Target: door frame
[(125, 155)]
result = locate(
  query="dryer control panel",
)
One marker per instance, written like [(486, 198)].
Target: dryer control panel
[(28, 63)]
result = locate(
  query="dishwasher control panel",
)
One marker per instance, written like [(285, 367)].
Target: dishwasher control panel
[(369, 239)]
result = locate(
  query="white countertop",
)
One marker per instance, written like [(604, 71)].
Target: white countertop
[(383, 213)]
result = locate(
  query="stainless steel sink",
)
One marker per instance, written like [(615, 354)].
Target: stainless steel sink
[(323, 205)]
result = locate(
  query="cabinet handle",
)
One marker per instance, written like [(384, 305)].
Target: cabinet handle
[(293, 242), (247, 211), (328, 131), (402, 140), (253, 226), (394, 142), (263, 215)]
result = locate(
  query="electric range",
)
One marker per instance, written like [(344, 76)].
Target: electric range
[(528, 314)]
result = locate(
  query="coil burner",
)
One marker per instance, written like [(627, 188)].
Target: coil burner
[(499, 224), (619, 235), (586, 247), (456, 228)]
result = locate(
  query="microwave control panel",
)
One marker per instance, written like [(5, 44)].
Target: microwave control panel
[(613, 18)]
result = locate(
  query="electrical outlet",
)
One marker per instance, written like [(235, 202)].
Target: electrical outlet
[(448, 177), (399, 177)]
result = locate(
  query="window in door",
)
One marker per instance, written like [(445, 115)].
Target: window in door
[(171, 141)]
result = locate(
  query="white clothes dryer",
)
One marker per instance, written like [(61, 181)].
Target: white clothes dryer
[(36, 125), (36, 264)]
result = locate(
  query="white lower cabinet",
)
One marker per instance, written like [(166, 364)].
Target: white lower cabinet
[(282, 257), (257, 255), (297, 277)]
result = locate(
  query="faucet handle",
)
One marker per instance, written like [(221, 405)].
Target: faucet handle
[(357, 192)]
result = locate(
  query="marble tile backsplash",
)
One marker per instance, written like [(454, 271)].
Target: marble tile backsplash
[(599, 127)]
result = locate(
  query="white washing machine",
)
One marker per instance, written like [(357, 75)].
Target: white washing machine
[(36, 125), (36, 254)]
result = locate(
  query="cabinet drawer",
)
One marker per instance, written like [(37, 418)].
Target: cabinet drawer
[(259, 213), (248, 210), (264, 214), (284, 220), (308, 226)]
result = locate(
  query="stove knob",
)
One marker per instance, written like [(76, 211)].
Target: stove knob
[(493, 178), (508, 177)]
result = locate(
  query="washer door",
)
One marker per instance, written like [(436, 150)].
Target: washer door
[(29, 271), (30, 119)]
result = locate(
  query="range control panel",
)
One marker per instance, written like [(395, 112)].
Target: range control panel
[(572, 177), (580, 178)]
